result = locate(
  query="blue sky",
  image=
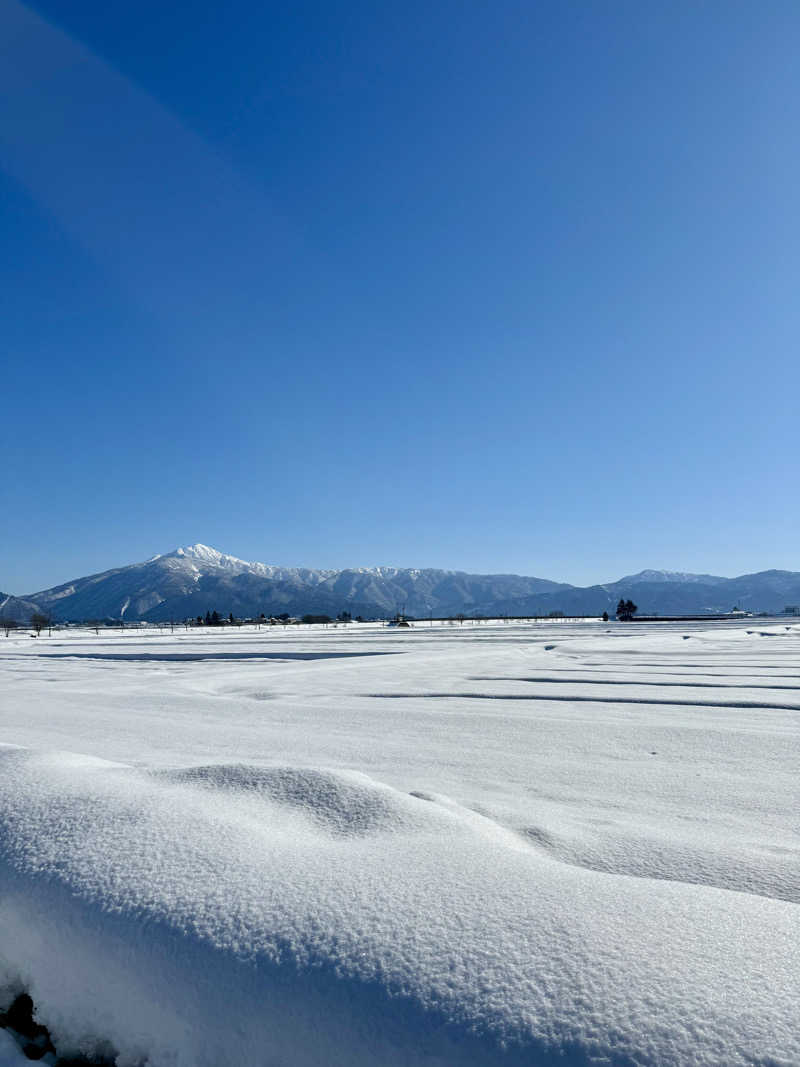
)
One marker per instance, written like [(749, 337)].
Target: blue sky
[(491, 286)]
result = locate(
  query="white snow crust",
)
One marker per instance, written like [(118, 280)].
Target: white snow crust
[(491, 845)]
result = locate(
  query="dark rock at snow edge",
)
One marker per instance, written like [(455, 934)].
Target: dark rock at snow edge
[(34, 1039)]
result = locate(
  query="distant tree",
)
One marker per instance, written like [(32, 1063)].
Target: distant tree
[(230, 617), (208, 618), (344, 616), (215, 618), (8, 625), (39, 621), (626, 609), (555, 615), (316, 618), (605, 616)]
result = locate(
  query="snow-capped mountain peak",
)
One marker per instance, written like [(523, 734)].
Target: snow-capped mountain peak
[(204, 558), (206, 554)]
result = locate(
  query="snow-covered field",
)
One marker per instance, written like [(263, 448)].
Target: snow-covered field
[(492, 844)]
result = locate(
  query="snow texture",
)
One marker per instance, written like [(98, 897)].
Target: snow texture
[(502, 844), (10, 1052)]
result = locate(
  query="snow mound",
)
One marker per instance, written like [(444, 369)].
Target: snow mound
[(292, 916), (341, 805)]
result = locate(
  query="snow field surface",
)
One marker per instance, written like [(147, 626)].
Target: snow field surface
[(489, 844)]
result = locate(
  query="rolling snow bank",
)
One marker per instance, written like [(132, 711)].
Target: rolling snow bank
[(236, 914)]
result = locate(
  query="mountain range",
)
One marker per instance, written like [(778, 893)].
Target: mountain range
[(190, 581)]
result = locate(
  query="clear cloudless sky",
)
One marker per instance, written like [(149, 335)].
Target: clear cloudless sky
[(493, 286)]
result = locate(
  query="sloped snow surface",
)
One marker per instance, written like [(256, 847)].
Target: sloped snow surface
[(10, 1052), (404, 859)]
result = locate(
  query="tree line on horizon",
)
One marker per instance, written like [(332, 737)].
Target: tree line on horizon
[(40, 621)]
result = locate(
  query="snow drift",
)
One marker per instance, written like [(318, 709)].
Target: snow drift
[(283, 915)]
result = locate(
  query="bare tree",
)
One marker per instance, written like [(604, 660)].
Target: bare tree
[(8, 625), (39, 621)]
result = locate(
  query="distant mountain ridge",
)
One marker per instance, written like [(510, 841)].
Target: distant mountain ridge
[(769, 591), (672, 577), (190, 581), (16, 608)]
